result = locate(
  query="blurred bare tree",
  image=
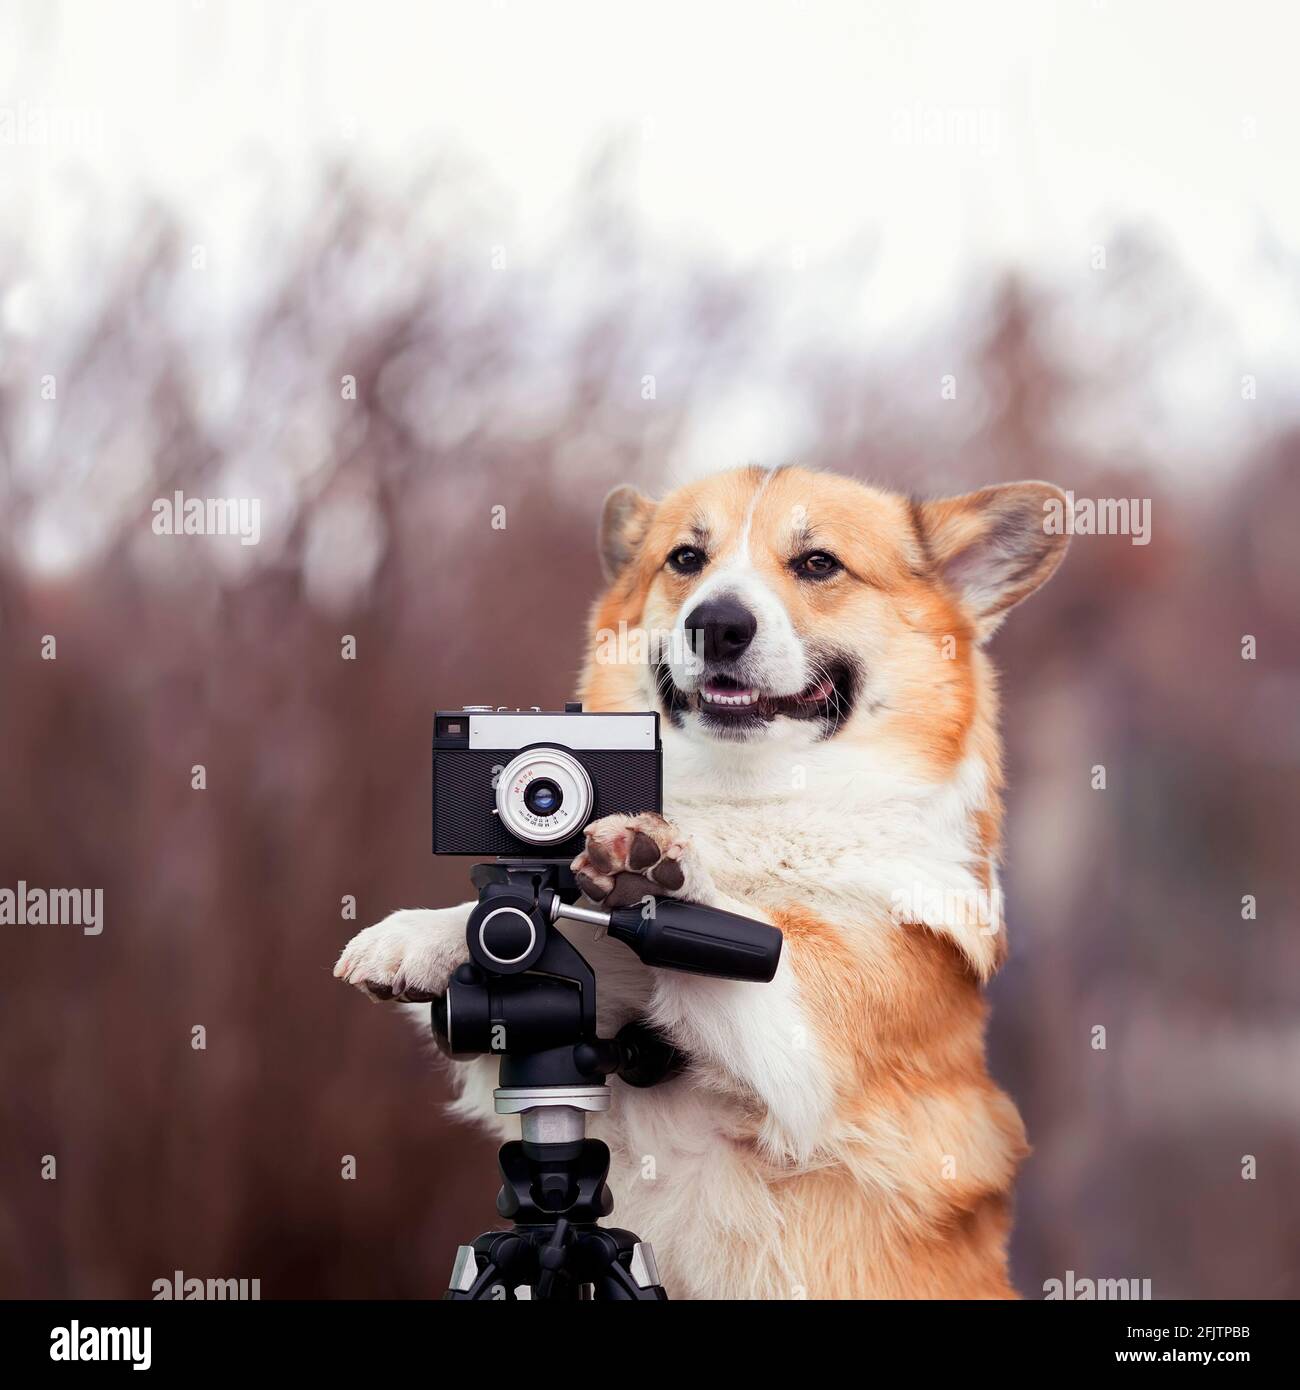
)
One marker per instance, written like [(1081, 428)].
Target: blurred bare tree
[(223, 907)]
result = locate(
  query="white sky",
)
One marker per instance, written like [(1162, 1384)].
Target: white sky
[(962, 137)]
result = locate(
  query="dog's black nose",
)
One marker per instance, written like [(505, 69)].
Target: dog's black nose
[(721, 628)]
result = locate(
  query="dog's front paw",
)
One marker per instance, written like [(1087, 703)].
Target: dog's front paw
[(630, 857), (409, 956)]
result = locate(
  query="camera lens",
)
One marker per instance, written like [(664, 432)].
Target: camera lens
[(543, 797)]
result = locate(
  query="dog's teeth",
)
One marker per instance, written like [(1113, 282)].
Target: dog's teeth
[(716, 697)]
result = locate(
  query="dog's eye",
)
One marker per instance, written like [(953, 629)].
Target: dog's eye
[(686, 559), (817, 564)]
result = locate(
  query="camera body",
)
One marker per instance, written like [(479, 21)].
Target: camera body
[(524, 784)]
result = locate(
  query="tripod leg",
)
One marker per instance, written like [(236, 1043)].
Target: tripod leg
[(491, 1269), (621, 1267)]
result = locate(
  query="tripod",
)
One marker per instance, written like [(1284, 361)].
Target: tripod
[(529, 995)]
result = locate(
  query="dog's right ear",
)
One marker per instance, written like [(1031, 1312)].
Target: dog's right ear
[(994, 547), (623, 526)]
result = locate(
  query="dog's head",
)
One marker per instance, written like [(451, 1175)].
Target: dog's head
[(802, 607)]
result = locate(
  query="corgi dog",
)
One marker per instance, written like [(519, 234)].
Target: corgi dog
[(832, 765)]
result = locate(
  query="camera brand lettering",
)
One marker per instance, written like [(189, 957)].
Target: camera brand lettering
[(77, 1343), (56, 907), (179, 515)]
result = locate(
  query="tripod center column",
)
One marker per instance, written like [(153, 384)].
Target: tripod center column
[(552, 1114)]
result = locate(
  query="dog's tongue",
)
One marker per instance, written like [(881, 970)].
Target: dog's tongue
[(815, 694)]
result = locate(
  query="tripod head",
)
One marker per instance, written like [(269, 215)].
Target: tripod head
[(529, 995)]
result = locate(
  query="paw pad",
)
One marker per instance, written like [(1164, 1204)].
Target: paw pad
[(628, 858)]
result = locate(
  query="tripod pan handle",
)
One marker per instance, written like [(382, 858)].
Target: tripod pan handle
[(703, 940)]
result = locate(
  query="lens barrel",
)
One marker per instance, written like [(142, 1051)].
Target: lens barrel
[(544, 795)]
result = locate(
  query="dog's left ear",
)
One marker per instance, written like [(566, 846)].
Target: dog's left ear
[(996, 546), (623, 526)]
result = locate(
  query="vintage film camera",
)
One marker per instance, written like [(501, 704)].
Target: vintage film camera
[(525, 783)]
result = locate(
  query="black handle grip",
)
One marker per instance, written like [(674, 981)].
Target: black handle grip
[(704, 940)]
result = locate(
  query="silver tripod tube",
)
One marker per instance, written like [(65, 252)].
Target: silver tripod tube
[(551, 1114)]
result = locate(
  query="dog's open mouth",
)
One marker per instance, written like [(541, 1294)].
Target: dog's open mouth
[(725, 703)]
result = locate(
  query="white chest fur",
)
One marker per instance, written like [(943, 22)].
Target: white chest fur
[(829, 830)]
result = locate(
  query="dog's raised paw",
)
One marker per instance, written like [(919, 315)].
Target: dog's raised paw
[(628, 858), (408, 957)]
